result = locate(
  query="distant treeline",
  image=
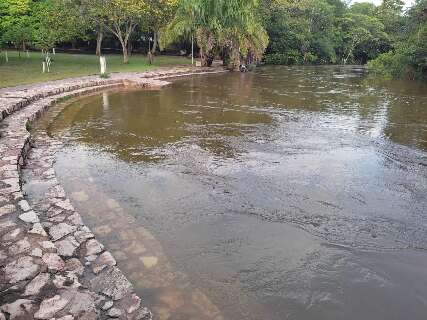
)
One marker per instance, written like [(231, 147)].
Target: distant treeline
[(390, 38)]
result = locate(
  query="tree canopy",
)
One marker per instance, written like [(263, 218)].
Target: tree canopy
[(391, 38), (408, 56), (229, 28)]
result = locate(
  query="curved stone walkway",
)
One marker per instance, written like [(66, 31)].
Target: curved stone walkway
[(52, 267)]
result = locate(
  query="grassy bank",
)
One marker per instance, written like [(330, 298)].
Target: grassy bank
[(28, 70)]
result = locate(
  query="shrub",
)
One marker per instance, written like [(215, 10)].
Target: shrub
[(396, 64)]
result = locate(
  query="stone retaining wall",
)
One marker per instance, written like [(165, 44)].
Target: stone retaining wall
[(52, 267)]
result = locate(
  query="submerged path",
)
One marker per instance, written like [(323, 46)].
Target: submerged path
[(51, 265)]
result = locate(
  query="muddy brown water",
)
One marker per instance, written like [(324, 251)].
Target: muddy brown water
[(286, 193)]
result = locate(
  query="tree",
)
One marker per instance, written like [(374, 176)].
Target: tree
[(305, 31), (15, 22), (390, 13), (366, 8), (122, 18), (46, 30), (230, 27), (54, 22), (287, 32), (159, 14), (409, 57), (183, 25), (241, 33), (94, 13), (363, 33)]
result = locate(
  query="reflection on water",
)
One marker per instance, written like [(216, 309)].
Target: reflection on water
[(128, 124), (288, 193)]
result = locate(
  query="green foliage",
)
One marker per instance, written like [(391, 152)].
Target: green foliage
[(288, 58), (122, 17), (390, 14), (323, 31), (389, 64), (237, 31), (303, 32), (363, 37), (46, 32), (365, 8), (52, 22), (15, 22), (160, 13), (227, 27), (409, 58)]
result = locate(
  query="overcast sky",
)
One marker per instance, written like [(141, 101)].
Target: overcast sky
[(408, 3)]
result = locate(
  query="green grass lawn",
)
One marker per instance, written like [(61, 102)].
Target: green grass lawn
[(29, 70)]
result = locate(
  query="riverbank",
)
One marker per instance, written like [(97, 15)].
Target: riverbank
[(26, 70), (52, 265)]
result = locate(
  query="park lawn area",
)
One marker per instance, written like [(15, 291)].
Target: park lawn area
[(64, 65)]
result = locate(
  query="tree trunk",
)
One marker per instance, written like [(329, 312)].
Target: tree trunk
[(123, 37), (125, 52), (350, 50), (99, 38), (348, 56), (192, 50), (223, 54), (124, 43), (155, 40), (249, 58), (202, 58)]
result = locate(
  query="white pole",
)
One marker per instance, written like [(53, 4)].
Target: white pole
[(53, 51), (48, 61), (44, 66), (7, 58), (103, 65)]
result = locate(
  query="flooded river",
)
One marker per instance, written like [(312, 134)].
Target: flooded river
[(286, 193)]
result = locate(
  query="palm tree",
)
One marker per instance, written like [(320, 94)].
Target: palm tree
[(243, 35), (228, 25), (184, 24)]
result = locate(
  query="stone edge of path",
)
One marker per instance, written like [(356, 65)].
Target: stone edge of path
[(52, 267)]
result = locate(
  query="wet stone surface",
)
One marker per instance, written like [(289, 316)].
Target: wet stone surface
[(51, 265)]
